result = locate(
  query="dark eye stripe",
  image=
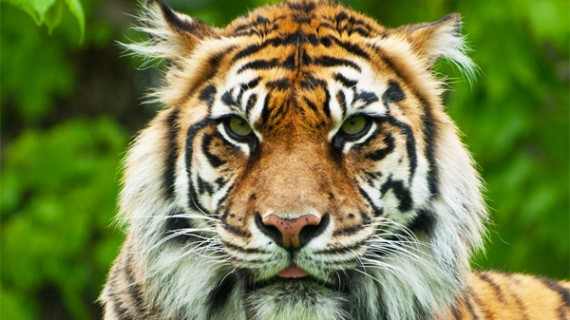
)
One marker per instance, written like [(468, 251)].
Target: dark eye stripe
[(193, 201), (214, 160)]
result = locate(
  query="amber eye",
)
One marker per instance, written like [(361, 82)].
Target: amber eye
[(238, 127), (355, 126)]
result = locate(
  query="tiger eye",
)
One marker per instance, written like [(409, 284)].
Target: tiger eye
[(239, 127), (354, 125)]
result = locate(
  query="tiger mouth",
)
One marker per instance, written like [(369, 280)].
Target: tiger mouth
[(336, 281), (308, 282), (293, 272)]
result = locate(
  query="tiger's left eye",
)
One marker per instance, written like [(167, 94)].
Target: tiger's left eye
[(238, 128), (355, 126)]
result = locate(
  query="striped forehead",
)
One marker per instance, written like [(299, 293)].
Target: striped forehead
[(333, 92)]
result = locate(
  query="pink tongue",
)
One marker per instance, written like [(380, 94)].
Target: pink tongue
[(292, 272)]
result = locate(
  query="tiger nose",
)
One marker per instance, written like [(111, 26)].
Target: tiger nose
[(292, 233)]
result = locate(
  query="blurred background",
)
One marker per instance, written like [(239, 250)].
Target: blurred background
[(71, 102)]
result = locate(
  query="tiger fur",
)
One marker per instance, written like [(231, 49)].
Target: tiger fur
[(397, 210)]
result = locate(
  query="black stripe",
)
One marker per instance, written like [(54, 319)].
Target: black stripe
[(455, 312), (521, 305), (289, 62), (430, 132), (208, 94), (470, 307), (424, 222), (348, 231), (260, 20), (341, 250), (251, 84), (228, 99), (135, 290), (327, 102), (212, 64), (249, 50), (115, 299), (193, 201), (220, 182), (118, 310), (171, 153), (180, 24), (234, 230), (260, 65), (219, 296), (345, 81), (493, 285), (204, 186), (394, 93), (352, 48), (243, 250), (328, 61), (265, 112), (562, 292), (368, 97), (479, 303), (401, 192), (175, 223), (251, 101), (382, 153), (305, 7), (375, 210), (341, 99), (410, 143), (214, 160), (310, 104), (280, 84), (309, 82), (223, 198)]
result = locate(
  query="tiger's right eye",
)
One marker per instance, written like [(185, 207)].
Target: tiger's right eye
[(238, 128)]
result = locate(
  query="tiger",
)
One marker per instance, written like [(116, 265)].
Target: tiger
[(303, 167)]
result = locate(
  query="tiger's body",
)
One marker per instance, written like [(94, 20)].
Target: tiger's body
[(304, 168)]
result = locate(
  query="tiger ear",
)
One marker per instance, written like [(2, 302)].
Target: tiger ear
[(173, 35), (439, 39)]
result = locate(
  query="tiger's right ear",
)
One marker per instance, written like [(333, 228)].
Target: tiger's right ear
[(173, 35)]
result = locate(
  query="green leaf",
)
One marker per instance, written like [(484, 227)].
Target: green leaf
[(49, 12), (37, 9), (77, 10), (53, 16)]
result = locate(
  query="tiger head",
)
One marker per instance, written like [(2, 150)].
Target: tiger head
[(303, 168)]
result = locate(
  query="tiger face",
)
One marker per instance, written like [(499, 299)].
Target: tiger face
[(302, 161), (308, 170)]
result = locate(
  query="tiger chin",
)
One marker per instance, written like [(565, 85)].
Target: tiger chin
[(303, 168)]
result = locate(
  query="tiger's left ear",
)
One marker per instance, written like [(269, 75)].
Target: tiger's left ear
[(440, 39)]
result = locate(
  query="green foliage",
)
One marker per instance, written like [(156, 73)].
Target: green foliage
[(58, 194), (61, 151), (49, 12)]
